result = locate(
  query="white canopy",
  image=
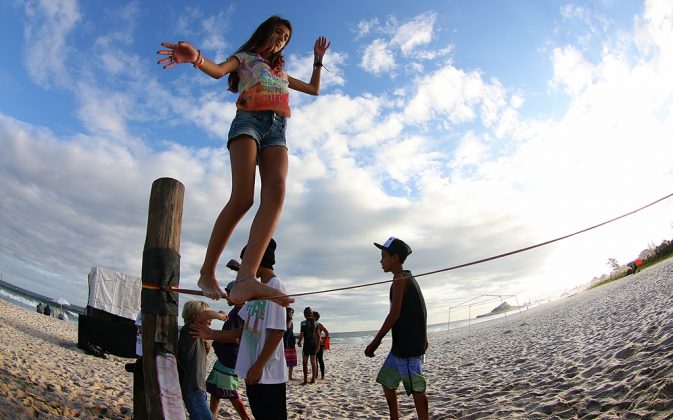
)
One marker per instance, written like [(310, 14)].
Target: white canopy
[(114, 292)]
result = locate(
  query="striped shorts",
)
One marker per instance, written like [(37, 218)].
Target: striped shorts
[(408, 370), (222, 382)]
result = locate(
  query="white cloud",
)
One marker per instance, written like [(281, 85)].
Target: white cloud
[(365, 27), (653, 30), (378, 58), (415, 33), (571, 70), (470, 151), (447, 161), (49, 23), (453, 94)]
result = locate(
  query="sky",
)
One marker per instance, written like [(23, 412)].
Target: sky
[(466, 128)]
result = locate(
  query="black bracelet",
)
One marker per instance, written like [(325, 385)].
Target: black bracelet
[(317, 64)]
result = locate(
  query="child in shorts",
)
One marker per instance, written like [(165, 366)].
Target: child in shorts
[(257, 137), (408, 320), (223, 381), (310, 334)]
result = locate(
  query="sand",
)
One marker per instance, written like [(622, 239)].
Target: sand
[(603, 353)]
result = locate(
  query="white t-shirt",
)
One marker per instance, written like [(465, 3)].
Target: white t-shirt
[(259, 316)]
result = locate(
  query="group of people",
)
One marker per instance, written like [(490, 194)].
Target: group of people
[(316, 340), (248, 346), (254, 332), (257, 343), (46, 310)]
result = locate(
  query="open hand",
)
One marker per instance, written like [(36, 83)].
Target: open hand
[(200, 331), (182, 52), (254, 374), (320, 47)]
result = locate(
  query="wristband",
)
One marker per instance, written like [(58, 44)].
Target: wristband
[(199, 61), (317, 64)]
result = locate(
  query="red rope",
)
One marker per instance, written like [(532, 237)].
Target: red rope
[(480, 261)]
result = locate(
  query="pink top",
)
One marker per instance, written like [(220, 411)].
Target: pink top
[(261, 87)]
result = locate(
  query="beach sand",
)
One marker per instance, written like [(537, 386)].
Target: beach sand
[(603, 353)]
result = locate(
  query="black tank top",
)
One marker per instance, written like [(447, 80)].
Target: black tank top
[(309, 327), (410, 330)]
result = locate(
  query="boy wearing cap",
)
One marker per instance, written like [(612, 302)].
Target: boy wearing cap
[(408, 320), (261, 357)]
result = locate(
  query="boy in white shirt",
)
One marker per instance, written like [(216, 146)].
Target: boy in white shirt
[(261, 356)]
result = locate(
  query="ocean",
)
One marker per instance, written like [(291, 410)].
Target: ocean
[(29, 300)]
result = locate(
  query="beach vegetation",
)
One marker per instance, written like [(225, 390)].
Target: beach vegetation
[(652, 255)]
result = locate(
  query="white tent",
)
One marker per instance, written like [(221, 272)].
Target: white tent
[(114, 292)]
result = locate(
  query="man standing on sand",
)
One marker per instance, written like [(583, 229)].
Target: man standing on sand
[(408, 320)]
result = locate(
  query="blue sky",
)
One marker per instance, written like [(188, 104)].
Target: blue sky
[(468, 129)]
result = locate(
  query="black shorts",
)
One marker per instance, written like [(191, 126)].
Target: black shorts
[(309, 349), (267, 401)]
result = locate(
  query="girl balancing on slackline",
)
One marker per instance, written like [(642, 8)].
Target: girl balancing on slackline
[(256, 136)]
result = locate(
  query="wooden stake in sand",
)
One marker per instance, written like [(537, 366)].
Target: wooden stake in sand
[(159, 308)]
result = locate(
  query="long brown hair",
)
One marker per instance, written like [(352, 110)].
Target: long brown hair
[(260, 40)]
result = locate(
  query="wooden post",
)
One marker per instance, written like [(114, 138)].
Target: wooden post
[(159, 309)]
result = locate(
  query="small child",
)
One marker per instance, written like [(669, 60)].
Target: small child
[(223, 381), (311, 335), (192, 359)]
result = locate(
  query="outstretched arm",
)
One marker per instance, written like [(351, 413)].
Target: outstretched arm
[(227, 336), (395, 307), (184, 52), (210, 314), (313, 87)]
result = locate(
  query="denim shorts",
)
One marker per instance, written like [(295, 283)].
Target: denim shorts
[(266, 127)]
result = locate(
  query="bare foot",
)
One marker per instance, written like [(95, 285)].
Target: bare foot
[(249, 288), (210, 287)]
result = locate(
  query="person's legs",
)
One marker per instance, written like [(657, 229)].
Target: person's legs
[(321, 362), (290, 360), (196, 404), (214, 404), (273, 166), (391, 399), (243, 157), (314, 368), (421, 403), (304, 365), (267, 401), (240, 409), (389, 377)]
